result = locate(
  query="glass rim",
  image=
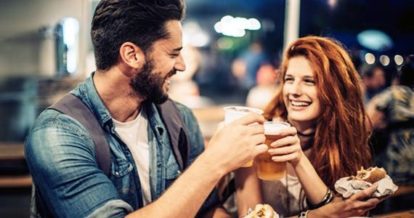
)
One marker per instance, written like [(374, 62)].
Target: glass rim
[(277, 122), (248, 109)]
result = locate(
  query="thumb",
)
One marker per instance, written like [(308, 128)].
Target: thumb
[(366, 193)]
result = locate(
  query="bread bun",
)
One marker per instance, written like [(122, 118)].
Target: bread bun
[(262, 211), (371, 175)]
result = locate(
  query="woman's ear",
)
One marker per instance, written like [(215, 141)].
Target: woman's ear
[(132, 55)]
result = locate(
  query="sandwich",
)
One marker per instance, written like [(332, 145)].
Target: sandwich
[(371, 175), (262, 211)]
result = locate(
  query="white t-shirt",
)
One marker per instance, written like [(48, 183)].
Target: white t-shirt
[(286, 195), (134, 134)]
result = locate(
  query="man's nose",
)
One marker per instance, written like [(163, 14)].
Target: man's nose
[(180, 64)]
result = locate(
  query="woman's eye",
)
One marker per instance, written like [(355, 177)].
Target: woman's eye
[(309, 81), (288, 79)]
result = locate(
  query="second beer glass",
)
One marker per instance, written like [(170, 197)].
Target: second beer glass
[(266, 168)]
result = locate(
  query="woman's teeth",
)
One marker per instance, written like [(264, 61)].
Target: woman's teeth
[(299, 103)]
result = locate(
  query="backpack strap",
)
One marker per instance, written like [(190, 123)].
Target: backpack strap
[(75, 108), (177, 132)]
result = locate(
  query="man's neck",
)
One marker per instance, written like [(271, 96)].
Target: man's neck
[(117, 95)]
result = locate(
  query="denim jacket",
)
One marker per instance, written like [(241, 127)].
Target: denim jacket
[(61, 158)]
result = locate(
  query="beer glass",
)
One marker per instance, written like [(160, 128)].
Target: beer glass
[(266, 168), (232, 113)]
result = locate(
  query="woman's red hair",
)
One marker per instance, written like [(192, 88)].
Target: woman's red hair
[(340, 145)]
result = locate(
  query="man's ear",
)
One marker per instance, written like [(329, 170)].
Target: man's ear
[(132, 55)]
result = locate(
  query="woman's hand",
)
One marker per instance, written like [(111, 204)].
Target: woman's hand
[(357, 205), (287, 148)]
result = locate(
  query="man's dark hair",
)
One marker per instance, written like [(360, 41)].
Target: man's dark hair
[(367, 70), (407, 72), (141, 22)]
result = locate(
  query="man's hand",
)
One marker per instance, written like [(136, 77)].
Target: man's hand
[(236, 143)]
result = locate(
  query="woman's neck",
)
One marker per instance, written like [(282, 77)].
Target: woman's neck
[(306, 133), (304, 128)]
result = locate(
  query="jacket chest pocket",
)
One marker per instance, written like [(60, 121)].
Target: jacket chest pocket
[(121, 175), (172, 171)]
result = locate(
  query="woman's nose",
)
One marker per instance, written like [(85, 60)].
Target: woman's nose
[(295, 88)]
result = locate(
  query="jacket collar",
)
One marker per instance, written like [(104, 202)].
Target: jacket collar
[(87, 92)]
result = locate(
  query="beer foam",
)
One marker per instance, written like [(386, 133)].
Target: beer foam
[(274, 128), (232, 113)]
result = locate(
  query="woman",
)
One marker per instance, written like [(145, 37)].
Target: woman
[(321, 98)]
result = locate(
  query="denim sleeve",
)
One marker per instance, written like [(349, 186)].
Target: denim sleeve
[(61, 159), (197, 147)]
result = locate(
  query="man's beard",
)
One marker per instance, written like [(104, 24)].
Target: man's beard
[(149, 85)]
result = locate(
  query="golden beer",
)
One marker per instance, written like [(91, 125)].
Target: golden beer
[(266, 168)]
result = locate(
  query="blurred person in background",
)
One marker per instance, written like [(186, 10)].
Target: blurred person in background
[(373, 79), (137, 50), (183, 89), (267, 82), (246, 66), (321, 98), (392, 112)]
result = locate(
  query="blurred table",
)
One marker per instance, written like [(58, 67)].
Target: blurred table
[(13, 153), (208, 118), (15, 181)]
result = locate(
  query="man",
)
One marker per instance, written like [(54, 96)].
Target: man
[(374, 80), (391, 113), (137, 48)]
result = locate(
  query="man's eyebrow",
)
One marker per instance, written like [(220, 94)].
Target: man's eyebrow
[(178, 49)]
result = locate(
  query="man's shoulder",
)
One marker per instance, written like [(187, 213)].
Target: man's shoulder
[(182, 108), (186, 113), (50, 118), (55, 132)]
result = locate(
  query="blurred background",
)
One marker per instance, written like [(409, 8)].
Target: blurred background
[(232, 49)]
